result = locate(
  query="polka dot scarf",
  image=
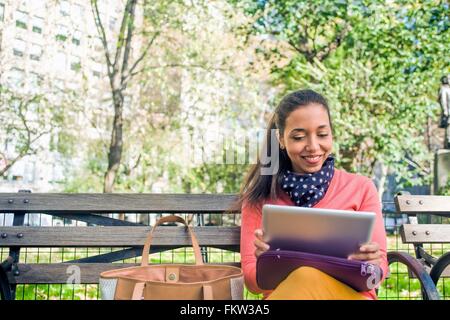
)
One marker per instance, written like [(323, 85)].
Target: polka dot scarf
[(308, 189)]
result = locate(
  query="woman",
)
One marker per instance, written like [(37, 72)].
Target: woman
[(306, 177)]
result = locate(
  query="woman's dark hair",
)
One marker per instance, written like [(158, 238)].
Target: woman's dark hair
[(258, 187)]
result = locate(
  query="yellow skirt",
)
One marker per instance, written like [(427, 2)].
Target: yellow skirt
[(306, 283)]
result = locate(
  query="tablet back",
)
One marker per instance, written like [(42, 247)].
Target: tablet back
[(323, 231)]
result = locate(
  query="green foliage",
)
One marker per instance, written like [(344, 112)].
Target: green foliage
[(445, 191), (311, 28), (381, 77), (215, 178), (370, 123)]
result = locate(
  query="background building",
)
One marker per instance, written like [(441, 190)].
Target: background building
[(51, 48)]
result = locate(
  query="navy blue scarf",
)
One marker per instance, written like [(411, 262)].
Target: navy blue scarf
[(308, 189)]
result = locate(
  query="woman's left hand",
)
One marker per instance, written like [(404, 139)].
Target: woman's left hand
[(369, 252)]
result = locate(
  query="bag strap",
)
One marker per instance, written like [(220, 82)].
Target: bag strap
[(138, 291), (148, 241), (207, 292)]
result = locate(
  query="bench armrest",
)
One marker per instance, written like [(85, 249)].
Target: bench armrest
[(439, 267), (429, 290)]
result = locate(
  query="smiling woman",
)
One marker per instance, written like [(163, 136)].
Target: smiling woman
[(306, 177)]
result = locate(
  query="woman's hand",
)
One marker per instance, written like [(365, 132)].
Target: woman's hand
[(369, 252), (260, 245)]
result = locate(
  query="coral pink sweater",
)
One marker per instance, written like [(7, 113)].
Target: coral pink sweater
[(347, 191)]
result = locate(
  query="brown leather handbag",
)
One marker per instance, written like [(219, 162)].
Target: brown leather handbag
[(172, 281)]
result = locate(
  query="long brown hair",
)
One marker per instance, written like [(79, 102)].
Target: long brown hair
[(258, 187)]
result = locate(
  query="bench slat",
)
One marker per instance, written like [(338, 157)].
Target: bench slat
[(116, 236), (417, 233), (60, 273), (115, 202), (423, 204)]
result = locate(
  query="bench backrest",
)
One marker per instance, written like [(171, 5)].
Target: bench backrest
[(416, 233), (106, 231)]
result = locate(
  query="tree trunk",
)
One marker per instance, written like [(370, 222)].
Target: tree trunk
[(380, 171), (116, 144)]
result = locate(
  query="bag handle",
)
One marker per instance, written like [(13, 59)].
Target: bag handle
[(148, 241)]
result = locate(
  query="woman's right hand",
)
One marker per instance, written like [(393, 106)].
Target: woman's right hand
[(260, 245)]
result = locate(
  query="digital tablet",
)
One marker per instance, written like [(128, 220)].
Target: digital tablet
[(329, 232)]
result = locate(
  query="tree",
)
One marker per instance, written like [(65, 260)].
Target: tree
[(195, 72), (381, 79), (312, 29), (26, 119), (121, 68)]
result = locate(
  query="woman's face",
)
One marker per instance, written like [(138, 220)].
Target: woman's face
[(307, 138)]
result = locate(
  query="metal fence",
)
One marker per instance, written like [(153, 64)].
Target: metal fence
[(399, 285)]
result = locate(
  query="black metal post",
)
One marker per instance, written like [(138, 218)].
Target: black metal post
[(14, 252)]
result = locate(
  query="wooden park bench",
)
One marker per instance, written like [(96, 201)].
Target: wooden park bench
[(424, 266), (102, 232)]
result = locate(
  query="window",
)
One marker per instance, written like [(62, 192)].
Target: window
[(2, 12), (35, 80), (64, 8), (61, 32), (19, 47), (29, 171), (97, 69), (38, 24), (60, 61), (76, 38), (16, 77), (35, 52), (77, 12), (21, 19), (75, 64)]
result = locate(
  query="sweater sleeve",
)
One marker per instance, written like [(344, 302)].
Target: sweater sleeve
[(250, 221), (370, 202)]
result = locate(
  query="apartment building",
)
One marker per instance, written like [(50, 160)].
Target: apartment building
[(52, 47)]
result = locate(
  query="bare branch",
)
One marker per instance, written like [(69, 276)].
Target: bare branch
[(333, 44), (303, 52), (23, 152), (123, 25), (133, 167), (24, 122), (9, 165), (101, 31), (410, 160), (187, 66), (130, 25), (144, 53)]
